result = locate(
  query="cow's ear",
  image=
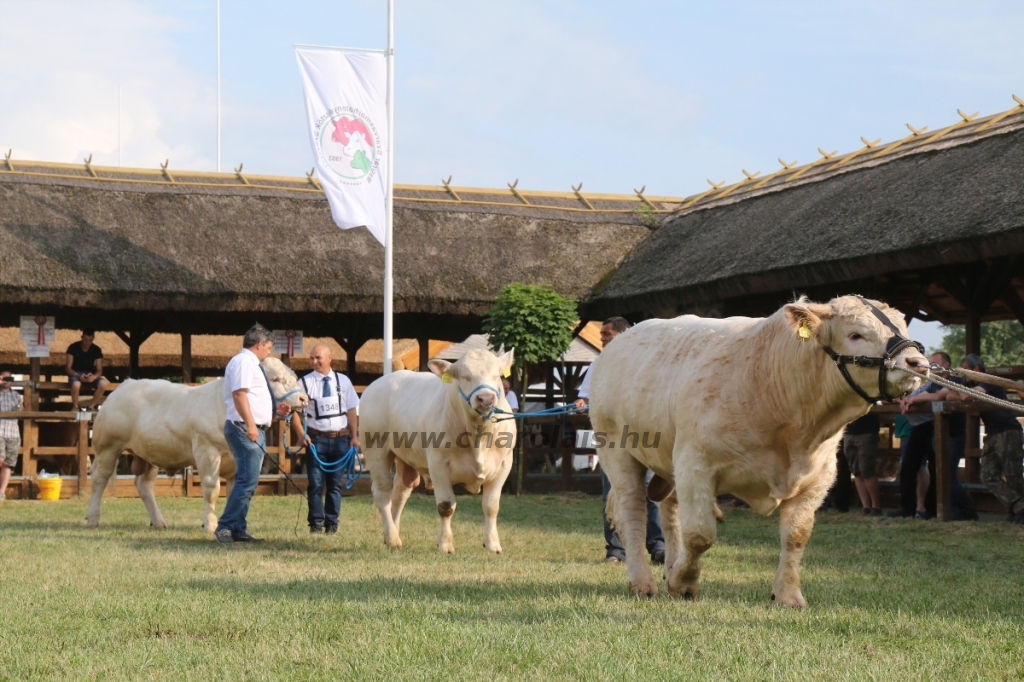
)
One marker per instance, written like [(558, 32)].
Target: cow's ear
[(506, 361), (439, 367), (806, 319)]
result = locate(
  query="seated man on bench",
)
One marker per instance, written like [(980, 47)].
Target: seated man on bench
[(85, 369)]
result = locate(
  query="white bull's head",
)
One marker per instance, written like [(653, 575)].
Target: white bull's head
[(284, 383), (848, 328), (477, 376)]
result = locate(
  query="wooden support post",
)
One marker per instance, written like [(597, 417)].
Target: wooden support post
[(83, 457), (34, 371), (424, 353), (186, 357), (286, 360), (30, 431), (943, 483), (972, 329)]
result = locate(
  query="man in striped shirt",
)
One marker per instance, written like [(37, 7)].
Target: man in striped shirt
[(10, 439)]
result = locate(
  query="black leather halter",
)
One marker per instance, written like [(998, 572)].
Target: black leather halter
[(895, 344)]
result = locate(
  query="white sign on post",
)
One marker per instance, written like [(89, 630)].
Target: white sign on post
[(39, 330), (288, 342), (37, 350)]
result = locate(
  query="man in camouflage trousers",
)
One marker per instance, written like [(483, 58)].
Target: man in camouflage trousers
[(1002, 460)]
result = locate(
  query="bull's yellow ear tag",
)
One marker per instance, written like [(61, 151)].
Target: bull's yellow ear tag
[(804, 332), (446, 378), (507, 373)]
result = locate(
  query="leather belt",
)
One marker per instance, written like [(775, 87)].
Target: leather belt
[(261, 427), (328, 434)]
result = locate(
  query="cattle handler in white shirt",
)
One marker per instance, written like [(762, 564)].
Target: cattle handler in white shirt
[(332, 427), (250, 410)]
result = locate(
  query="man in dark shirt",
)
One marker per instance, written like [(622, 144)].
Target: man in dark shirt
[(85, 369), (1002, 457)]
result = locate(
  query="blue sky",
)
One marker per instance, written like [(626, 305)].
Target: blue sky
[(617, 95)]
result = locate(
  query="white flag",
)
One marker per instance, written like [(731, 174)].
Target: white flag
[(346, 104)]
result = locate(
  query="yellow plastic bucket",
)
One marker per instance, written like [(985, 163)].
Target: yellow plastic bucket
[(49, 488)]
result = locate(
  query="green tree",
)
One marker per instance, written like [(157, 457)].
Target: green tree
[(534, 320), (1002, 343)]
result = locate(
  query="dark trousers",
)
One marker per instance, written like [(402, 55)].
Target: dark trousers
[(839, 494), (919, 450), (655, 536), (963, 505), (324, 489)]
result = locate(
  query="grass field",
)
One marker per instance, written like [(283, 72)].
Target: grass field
[(890, 599)]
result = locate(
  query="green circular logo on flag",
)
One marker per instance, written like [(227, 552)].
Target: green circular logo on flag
[(349, 144)]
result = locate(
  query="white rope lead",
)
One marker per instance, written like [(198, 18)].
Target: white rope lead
[(960, 388)]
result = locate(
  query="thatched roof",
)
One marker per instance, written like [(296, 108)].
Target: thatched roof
[(932, 204), (215, 251)]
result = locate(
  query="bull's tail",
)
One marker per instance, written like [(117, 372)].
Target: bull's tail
[(610, 505)]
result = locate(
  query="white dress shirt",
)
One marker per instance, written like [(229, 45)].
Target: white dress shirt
[(328, 414), (584, 391), (244, 371), (513, 401)]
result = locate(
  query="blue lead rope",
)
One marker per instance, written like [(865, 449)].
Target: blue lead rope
[(550, 412), (349, 464)]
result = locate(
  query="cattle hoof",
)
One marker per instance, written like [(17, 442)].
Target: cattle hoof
[(796, 601), (647, 590)]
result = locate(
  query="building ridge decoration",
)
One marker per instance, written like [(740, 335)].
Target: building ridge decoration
[(752, 182)]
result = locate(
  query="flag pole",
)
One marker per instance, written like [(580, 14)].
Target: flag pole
[(218, 86), (389, 201)]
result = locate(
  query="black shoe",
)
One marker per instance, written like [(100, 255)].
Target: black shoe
[(867, 511), (899, 513), (316, 530), (875, 511), (331, 530), (245, 537), (1019, 517), (612, 559), (658, 557), (922, 516), (223, 536)]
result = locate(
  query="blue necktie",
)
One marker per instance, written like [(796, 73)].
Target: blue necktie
[(327, 387)]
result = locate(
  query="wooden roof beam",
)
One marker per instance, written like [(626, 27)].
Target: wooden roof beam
[(914, 133), (1008, 112), (448, 186), (512, 186), (238, 174), (7, 158), (785, 167), (868, 146), (167, 173), (582, 198), (694, 200), (825, 156), (732, 188), (88, 166), (311, 180)]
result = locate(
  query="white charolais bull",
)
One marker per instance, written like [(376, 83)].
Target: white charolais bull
[(752, 407), (445, 432), (172, 426)]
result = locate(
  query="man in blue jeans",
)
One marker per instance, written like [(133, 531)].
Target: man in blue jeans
[(332, 427), (614, 552), (250, 409)]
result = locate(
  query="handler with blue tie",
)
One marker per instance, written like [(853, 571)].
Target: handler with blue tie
[(332, 427)]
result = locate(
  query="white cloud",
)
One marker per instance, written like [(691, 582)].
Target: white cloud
[(61, 63)]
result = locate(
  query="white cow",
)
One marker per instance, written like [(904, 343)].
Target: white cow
[(172, 426), (445, 433), (752, 407)]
